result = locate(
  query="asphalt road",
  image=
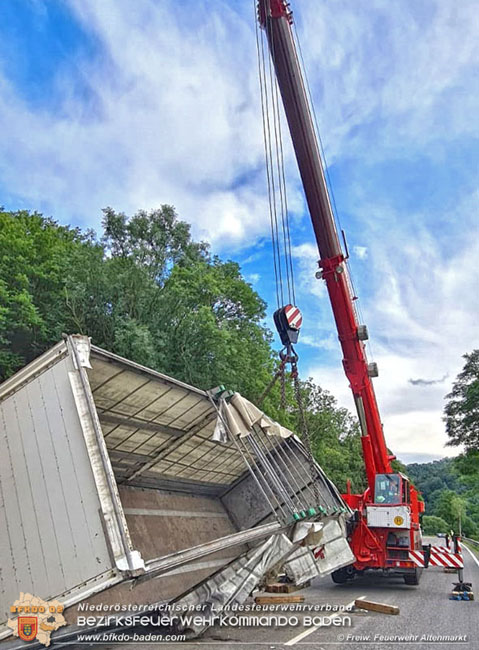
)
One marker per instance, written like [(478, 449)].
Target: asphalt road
[(427, 618)]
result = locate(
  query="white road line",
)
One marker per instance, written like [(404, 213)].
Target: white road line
[(310, 630), (471, 554)]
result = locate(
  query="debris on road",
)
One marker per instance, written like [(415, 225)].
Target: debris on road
[(371, 606), (278, 600), (285, 587)]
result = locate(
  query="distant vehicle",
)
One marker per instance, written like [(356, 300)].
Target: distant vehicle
[(441, 535)]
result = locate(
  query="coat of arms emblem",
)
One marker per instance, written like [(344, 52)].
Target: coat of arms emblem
[(27, 627)]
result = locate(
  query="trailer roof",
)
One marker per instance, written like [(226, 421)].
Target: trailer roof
[(158, 430)]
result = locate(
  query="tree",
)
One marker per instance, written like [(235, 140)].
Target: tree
[(335, 437), (451, 490), (210, 323), (458, 510), (462, 408), (467, 465), (113, 289), (33, 266), (452, 508), (433, 525), (145, 290)]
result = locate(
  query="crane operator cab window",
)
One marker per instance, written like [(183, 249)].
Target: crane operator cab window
[(388, 489)]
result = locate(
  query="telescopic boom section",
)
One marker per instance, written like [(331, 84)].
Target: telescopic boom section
[(276, 19)]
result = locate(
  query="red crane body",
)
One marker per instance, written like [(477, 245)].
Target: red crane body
[(373, 545)]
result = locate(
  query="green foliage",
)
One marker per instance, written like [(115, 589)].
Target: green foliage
[(335, 437), (432, 525), (462, 408), (467, 465), (34, 262), (449, 492), (433, 477), (145, 291), (215, 335), (450, 506)]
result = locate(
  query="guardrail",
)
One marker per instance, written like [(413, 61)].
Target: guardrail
[(471, 541)]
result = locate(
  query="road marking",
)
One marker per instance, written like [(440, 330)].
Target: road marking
[(471, 554), (309, 631)]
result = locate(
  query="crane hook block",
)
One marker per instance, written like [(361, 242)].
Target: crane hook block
[(288, 321)]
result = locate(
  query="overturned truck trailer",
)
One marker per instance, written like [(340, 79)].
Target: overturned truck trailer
[(120, 485)]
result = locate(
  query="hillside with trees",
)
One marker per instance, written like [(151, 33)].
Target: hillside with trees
[(449, 496)]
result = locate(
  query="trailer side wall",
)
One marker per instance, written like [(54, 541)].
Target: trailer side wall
[(51, 531)]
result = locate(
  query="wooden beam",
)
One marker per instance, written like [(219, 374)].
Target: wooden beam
[(371, 606), (274, 600), (285, 587)]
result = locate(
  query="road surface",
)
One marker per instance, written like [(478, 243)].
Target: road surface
[(425, 613), (427, 618)]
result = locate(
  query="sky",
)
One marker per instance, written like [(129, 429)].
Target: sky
[(133, 105)]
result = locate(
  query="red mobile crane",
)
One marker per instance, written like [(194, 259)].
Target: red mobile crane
[(385, 527)]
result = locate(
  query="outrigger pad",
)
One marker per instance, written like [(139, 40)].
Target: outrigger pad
[(462, 591)]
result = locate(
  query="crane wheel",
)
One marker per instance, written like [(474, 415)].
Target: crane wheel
[(343, 575), (412, 578)]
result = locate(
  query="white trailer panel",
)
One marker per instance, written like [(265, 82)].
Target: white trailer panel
[(51, 531)]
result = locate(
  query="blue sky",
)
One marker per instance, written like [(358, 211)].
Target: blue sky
[(137, 104)]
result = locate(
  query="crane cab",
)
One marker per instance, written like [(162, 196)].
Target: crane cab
[(391, 507), (392, 489)]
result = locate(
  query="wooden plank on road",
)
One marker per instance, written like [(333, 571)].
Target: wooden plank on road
[(371, 606), (285, 587), (281, 600)]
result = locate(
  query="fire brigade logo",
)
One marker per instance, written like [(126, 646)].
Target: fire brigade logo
[(398, 520), (48, 617), (27, 627)]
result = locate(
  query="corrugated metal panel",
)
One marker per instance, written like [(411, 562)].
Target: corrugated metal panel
[(51, 535), (157, 427)]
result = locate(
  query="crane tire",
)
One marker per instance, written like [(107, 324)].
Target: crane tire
[(412, 578)]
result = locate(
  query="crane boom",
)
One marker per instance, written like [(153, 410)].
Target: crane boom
[(276, 19)]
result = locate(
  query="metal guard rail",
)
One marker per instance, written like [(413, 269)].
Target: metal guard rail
[(471, 541)]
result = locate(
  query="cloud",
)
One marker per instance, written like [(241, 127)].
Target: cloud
[(306, 258), (361, 252), (253, 278), (328, 342), (175, 119), (419, 306), (170, 118), (412, 457), (409, 68), (428, 382)]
